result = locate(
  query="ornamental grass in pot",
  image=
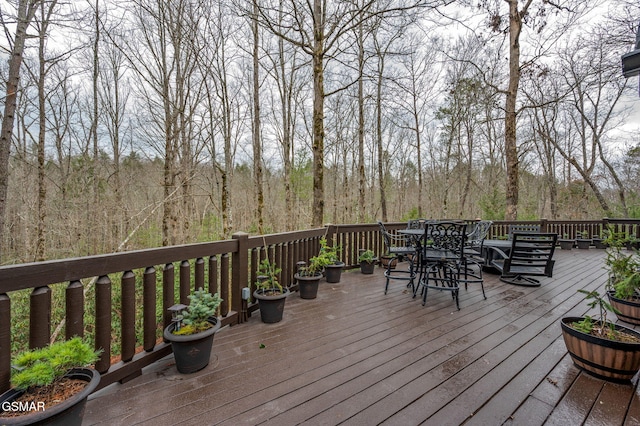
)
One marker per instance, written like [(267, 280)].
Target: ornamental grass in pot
[(192, 331), (270, 294), (601, 348), (50, 385)]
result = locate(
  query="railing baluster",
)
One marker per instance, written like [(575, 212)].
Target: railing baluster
[(213, 276), (199, 273), (5, 342), (149, 308), (168, 293), (103, 323), (74, 310), (224, 285), (40, 317), (128, 321), (185, 282)]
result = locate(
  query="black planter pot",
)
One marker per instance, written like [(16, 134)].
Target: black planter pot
[(271, 307), (334, 272), (583, 243), (192, 352), (606, 359), (308, 286), (599, 243), (566, 244), (367, 267), (67, 413)]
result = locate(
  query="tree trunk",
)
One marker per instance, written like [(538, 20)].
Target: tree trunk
[(26, 12), (257, 142), (318, 114)]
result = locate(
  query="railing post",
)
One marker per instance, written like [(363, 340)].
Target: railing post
[(239, 271), (544, 225)]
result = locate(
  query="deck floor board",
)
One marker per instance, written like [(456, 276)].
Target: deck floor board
[(357, 356)]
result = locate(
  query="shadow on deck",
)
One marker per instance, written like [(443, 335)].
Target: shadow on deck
[(357, 356)]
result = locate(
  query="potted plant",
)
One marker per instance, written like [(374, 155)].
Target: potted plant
[(624, 278), (270, 294), (192, 330), (583, 241), (367, 261), (565, 242), (389, 261), (329, 258), (599, 241), (50, 385), (599, 347), (308, 277)]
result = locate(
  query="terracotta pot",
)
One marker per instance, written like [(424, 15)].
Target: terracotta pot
[(192, 352), (271, 307), (389, 262), (67, 413), (603, 358)]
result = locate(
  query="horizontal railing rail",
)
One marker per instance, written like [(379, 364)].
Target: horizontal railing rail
[(106, 295)]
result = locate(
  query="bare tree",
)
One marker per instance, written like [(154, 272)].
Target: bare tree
[(24, 14)]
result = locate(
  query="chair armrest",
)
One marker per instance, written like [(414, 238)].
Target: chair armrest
[(499, 252)]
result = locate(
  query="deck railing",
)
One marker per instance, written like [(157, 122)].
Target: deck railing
[(125, 288)]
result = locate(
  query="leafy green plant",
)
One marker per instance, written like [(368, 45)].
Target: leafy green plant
[(202, 305), (268, 276), (41, 367), (328, 255), (367, 256), (623, 267), (598, 327)]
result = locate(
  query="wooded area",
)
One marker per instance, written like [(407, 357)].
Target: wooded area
[(144, 123)]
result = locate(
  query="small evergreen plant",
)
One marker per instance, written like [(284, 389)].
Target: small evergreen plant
[(195, 317), (42, 367)]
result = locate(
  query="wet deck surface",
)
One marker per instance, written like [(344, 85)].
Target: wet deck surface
[(359, 357)]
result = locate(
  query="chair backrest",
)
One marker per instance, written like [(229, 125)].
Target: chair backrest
[(479, 233), (446, 236), (416, 224), (522, 228), (531, 254), (385, 235)]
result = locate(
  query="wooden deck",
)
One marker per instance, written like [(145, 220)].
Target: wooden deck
[(359, 357)]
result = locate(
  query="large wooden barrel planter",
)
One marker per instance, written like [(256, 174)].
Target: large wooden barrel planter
[(603, 358), (628, 310)]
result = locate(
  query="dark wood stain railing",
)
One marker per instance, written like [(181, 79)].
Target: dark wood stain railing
[(222, 266)]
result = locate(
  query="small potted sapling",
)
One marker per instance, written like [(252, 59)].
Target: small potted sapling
[(192, 330), (565, 242), (270, 294), (332, 264), (583, 241), (50, 385)]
